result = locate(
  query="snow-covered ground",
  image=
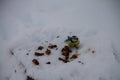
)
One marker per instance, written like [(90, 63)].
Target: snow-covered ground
[(27, 24)]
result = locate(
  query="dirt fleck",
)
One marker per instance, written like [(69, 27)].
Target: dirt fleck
[(57, 36), (27, 53), (93, 51), (15, 71), (11, 52), (29, 78), (61, 59), (25, 71), (48, 62), (80, 62)]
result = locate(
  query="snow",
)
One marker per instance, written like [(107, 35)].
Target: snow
[(27, 24)]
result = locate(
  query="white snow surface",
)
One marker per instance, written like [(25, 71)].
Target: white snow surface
[(27, 24)]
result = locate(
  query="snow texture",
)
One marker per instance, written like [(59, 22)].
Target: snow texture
[(27, 24)]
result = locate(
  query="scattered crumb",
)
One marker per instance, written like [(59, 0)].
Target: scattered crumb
[(66, 49), (74, 56), (40, 47), (38, 54), (35, 61), (48, 52), (52, 46), (65, 52)]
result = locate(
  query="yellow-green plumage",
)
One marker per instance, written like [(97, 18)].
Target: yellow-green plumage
[(73, 44)]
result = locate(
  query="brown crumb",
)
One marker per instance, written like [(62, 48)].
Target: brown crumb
[(52, 46), (74, 56), (48, 52), (38, 54), (66, 49), (48, 62), (66, 52), (40, 47), (35, 61)]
